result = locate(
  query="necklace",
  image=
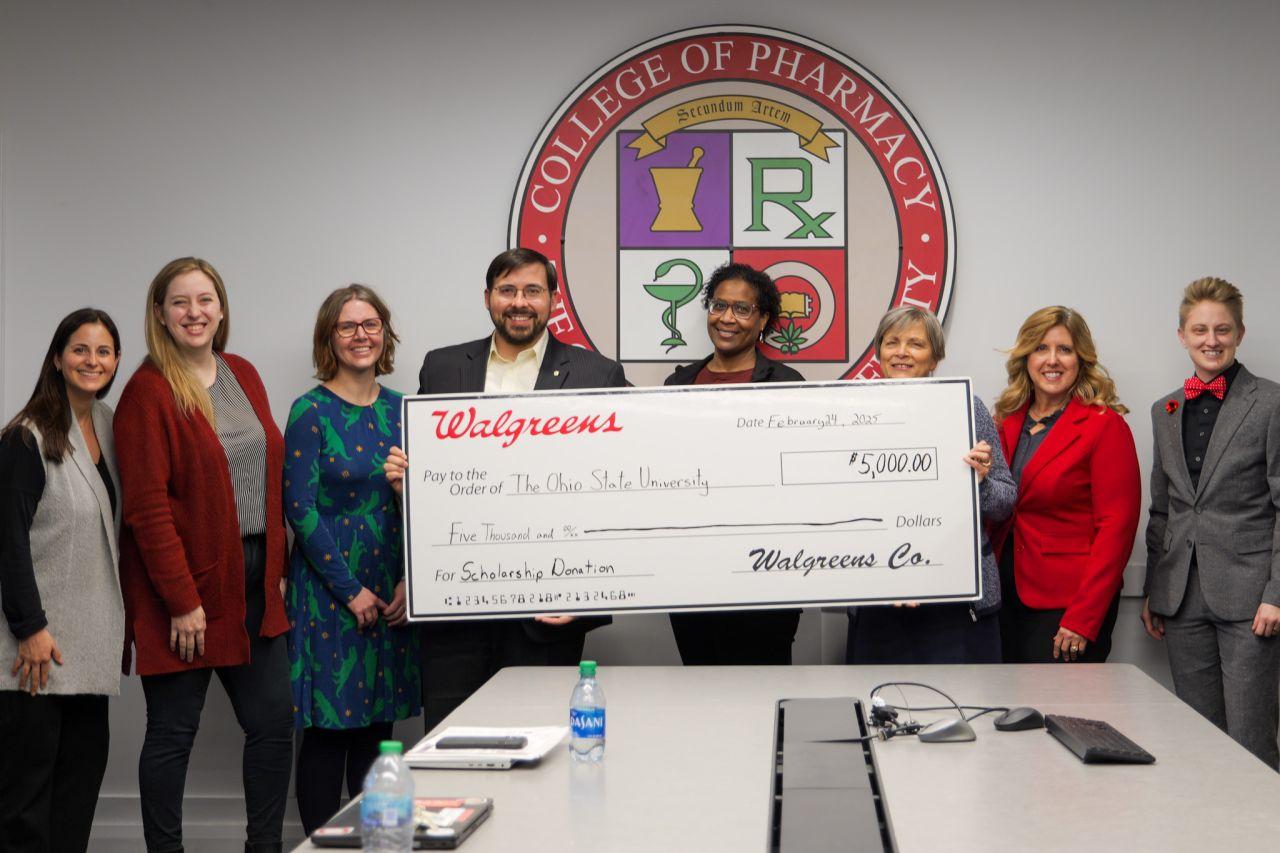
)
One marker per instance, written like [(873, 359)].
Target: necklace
[(1039, 425)]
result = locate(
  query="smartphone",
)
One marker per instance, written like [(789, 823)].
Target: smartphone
[(482, 742)]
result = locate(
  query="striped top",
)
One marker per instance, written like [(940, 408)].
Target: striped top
[(245, 443)]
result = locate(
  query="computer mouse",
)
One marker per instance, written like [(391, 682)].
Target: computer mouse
[(1019, 720)]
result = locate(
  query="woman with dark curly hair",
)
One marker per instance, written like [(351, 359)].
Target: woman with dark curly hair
[(1063, 552), (742, 305)]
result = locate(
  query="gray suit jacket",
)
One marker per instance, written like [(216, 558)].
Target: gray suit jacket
[(461, 368), (74, 551), (1229, 522)]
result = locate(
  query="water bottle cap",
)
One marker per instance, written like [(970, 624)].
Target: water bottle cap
[(587, 669), (391, 747)]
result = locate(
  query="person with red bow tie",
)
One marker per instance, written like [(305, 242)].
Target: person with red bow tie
[(1213, 561)]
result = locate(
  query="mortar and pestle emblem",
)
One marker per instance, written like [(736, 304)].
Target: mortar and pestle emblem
[(676, 186)]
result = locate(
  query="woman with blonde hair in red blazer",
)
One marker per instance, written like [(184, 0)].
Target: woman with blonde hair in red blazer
[(1064, 550), (203, 552)]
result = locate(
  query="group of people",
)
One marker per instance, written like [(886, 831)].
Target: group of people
[(160, 533)]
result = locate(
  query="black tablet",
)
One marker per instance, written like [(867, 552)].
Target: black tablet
[(442, 823)]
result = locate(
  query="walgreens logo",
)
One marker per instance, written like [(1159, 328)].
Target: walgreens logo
[(464, 423)]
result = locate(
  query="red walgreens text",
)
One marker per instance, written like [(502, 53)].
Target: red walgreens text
[(465, 424)]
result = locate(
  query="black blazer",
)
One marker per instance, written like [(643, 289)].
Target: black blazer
[(461, 368)]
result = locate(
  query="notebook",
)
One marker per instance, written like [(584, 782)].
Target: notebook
[(442, 823)]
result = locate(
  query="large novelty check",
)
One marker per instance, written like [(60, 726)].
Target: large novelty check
[(690, 498)]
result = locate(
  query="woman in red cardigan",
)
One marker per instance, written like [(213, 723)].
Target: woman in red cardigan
[(202, 552), (1064, 550)]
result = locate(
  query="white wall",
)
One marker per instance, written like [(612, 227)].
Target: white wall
[(1099, 154)]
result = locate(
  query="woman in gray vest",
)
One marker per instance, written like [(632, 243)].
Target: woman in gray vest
[(63, 630)]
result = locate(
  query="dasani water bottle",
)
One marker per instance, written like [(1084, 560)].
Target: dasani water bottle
[(586, 716), (386, 811)]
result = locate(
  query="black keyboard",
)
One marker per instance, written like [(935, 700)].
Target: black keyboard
[(1095, 742)]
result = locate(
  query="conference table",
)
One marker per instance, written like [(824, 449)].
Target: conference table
[(691, 752)]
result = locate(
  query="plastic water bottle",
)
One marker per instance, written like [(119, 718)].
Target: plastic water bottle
[(386, 811), (586, 716)]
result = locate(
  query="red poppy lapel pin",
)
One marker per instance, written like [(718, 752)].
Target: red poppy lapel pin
[(1171, 406)]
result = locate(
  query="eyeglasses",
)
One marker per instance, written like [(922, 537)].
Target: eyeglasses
[(371, 327), (531, 292), (741, 310)]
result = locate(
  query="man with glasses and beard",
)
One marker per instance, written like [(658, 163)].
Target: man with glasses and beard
[(521, 355)]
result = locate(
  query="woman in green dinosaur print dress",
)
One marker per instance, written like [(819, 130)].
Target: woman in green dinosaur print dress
[(354, 663)]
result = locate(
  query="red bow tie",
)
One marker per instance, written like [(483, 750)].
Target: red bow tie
[(1193, 387)]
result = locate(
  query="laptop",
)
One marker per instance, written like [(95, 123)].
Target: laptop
[(539, 741), (442, 823)]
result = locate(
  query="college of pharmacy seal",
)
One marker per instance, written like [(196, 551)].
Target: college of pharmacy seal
[(745, 144)]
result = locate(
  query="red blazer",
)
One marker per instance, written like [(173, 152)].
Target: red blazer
[(180, 538), (1077, 512)]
